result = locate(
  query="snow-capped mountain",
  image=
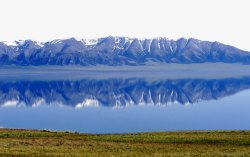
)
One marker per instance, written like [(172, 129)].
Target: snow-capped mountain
[(118, 51), (118, 92)]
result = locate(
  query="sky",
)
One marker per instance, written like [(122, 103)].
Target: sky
[(226, 21)]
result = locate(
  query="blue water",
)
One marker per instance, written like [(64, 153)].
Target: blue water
[(126, 105)]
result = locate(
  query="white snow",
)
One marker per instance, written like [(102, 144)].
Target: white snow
[(10, 43), (89, 102), (172, 92), (149, 47), (56, 41), (39, 43), (22, 42), (141, 99), (159, 99), (171, 48), (130, 40), (11, 103), (150, 98), (89, 42), (117, 40), (158, 44), (140, 43), (38, 102)]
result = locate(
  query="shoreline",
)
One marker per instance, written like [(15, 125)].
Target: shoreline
[(157, 71), (127, 133)]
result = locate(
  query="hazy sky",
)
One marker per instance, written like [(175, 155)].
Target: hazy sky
[(227, 21)]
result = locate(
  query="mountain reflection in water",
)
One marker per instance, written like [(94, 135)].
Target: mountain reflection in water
[(118, 92)]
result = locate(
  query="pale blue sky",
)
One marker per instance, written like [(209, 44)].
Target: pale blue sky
[(226, 21)]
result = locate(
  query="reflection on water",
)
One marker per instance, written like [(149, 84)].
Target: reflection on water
[(217, 104), (118, 92)]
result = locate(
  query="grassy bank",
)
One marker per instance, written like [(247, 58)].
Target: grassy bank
[(194, 143)]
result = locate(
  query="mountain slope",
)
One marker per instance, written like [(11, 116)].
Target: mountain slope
[(118, 51)]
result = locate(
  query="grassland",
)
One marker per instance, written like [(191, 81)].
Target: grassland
[(193, 143)]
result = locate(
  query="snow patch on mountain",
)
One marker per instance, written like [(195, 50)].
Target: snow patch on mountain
[(57, 41), (10, 103), (88, 103)]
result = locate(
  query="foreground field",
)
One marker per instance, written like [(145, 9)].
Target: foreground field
[(194, 143)]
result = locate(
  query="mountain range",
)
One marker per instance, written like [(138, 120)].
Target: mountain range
[(118, 51)]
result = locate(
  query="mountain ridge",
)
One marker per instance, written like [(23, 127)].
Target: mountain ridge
[(113, 50)]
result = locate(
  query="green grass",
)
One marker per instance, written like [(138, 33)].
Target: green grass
[(193, 143)]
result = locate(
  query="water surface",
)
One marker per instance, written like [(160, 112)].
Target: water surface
[(135, 103)]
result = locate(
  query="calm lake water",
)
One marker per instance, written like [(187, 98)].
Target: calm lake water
[(122, 105)]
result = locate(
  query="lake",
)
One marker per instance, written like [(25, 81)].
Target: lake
[(127, 99)]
